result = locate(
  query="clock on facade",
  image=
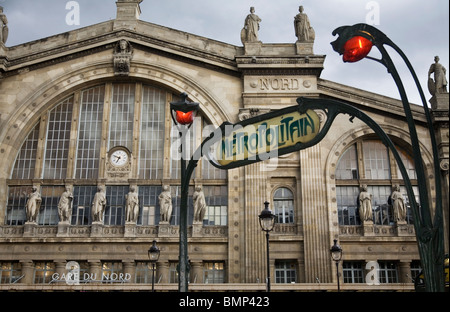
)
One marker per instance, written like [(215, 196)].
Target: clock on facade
[(119, 157)]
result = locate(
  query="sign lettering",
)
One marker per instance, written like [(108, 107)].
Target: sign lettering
[(265, 136)]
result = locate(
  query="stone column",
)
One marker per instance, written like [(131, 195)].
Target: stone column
[(255, 241), (60, 268), (27, 272), (196, 272), (439, 113), (129, 270), (95, 270), (404, 272), (317, 240), (162, 271)]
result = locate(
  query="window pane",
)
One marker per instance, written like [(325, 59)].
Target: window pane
[(217, 205), (48, 214), (9, 272), (115, 205), (347, 167), (149, 203), (353, 272), (347, 202), (82, 201), (58, 138), (376, 160), (15, 210), (285, 272), (89, 133), (284, 205), (122, 115), (26, 160), (43, 272), (409, 165), (213, 272), (382, 211), (152, 133)]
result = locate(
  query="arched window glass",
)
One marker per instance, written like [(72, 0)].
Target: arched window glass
[(376, 162), (348, 165), (26, 160), (71, 146), (122, 116), (151, 150), (58, 139), (283, 201), (89, 133)]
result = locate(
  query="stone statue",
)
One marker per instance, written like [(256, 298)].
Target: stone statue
[(165, 204), (439, 85), (398, 204), (303, 30), (98, 205), (365, 204), (3, 27), (199, 204), (123, 53), (33, 205), (65, 205), (132, 208), (251, 27)]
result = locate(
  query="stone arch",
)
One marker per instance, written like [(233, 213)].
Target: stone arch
[(397, 135), (42, 98)]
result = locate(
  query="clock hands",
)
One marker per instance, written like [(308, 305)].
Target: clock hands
[(118, 158)]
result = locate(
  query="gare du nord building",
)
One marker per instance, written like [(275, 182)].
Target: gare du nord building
[(74, 103)]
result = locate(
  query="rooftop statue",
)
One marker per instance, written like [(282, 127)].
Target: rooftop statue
[(3, 27), (251, 27), (439, 84), (303, 29)]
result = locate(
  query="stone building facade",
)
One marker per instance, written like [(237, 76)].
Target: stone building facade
[(70, 101)]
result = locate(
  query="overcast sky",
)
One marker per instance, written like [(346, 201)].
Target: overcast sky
[(420, 28)]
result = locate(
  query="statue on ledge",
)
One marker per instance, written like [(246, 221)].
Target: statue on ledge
[(303, 30), (439, 84), (251, 27), (3, 27)]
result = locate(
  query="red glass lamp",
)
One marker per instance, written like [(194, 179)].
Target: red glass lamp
[(183, 112), (356, 49)]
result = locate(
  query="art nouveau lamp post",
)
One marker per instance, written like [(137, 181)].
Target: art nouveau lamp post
[(354, 43), (336, 255), (183, 114), (267, 222), (153, 256)]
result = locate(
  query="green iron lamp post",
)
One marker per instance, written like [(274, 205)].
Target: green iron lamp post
[(354, 43), (183, 115)]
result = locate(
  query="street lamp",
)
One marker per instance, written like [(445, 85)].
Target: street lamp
[(354, 43), (336, 255), (153, 255), (183, 114), (267, 222)]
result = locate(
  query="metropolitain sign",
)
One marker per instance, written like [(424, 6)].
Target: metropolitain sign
[(263, 137)]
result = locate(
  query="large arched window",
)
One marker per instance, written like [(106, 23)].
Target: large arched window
[(73, 145), (369, 162)]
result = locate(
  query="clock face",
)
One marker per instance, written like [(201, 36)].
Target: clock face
[(119, 158)]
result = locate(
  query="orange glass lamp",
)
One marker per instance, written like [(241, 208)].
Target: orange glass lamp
[(356, 49), (353, 43), (183, 112)]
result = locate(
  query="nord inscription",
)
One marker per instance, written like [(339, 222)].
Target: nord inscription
[(280, 84)]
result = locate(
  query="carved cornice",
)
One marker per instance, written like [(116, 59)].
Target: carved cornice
[(108, 41)]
